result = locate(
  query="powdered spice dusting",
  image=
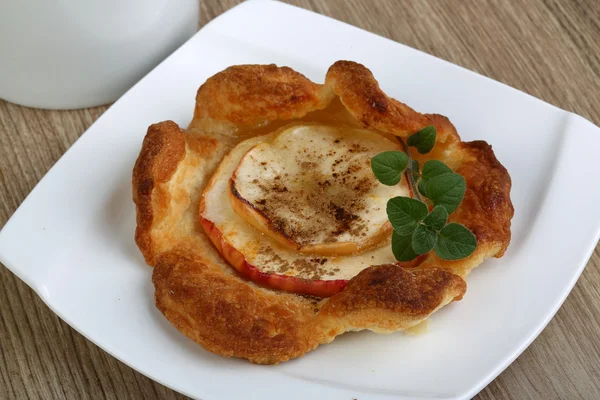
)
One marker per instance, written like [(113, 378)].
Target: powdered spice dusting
[(313, 185), (311, 204)]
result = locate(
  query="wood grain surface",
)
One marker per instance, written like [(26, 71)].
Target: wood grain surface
[(548, 48)]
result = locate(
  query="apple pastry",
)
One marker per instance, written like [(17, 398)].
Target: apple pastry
[(278, 219)]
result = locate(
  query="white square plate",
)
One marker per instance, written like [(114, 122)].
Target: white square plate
[(72, 238)]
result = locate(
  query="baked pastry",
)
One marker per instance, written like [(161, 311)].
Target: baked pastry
[(265, 229)]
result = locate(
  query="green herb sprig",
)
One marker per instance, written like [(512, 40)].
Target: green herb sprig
[(417, 230)]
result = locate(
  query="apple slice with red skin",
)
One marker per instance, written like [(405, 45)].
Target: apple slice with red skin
[(313, 287), (318, 288)]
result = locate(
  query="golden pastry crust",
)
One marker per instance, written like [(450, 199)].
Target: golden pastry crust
[(230, 317), (203, 297), (162, 151), (248, 95), (367, 103)]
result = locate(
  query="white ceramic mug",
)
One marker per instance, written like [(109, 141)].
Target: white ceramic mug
[(65, 54)]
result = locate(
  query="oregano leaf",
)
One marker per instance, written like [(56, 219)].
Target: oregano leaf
[(388, 166), (437, 218), (431, 169), (423, 239), (423, 140), (446, 190), (405, 213), (402, 247), (454, 242), (422, 186)]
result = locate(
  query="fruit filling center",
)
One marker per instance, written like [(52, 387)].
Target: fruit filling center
[(299, 209), (312, 189)]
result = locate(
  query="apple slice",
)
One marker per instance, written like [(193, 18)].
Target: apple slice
[(260, 258), (316, 287), (311, 189)]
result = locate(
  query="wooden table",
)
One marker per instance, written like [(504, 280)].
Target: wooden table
[(548, 48)]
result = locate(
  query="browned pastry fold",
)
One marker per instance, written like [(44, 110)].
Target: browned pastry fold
[(204, 297)]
